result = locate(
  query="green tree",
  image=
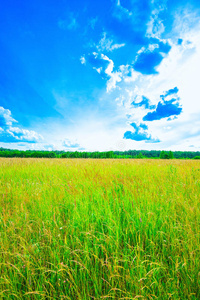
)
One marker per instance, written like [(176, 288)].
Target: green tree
[(140, 155), (164, 155), (171, 155)]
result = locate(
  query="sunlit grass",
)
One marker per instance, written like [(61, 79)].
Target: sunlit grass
[(99, 229)]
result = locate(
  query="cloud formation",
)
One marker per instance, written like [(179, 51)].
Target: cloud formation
[(140, 133), (166, 108), (108, 45), (12, 134), (73, 145), (170, 92), (5, 117), (105, 67), (144, 102), (83, 60), (155, 26), (104, 63), (149, 58), (99, 62), (121, 11)]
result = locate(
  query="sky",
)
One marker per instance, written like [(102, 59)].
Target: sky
[(100, 75)]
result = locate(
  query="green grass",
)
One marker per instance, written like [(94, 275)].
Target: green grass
[(108, 229)]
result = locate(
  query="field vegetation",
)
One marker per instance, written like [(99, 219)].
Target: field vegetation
[(99, 229)]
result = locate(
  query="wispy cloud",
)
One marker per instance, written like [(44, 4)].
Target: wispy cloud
[(107, 44), (92, 22), (155, 26), (71, 145), (69, 23), (121, 11)]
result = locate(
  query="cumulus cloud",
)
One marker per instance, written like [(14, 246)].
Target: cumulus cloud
[(140, 133), (13, 134)]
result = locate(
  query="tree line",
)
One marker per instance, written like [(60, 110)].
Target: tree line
[(156, 154)]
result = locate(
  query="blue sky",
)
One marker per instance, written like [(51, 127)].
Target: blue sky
[(100, 75)]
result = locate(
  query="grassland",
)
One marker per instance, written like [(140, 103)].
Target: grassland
[(99, 229)]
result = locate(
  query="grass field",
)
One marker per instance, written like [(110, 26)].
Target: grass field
[(99, 229)]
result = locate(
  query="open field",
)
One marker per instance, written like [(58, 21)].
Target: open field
[(99, 229)]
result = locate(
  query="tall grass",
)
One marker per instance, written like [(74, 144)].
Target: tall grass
[(108, 229)]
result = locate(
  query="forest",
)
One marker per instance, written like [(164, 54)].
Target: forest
[(156, 154)]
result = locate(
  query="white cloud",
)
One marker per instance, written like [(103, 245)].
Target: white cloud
[(106, 44), (71, 144), (180, 68), (9, 133), (185, 20), (155, 26), (132, 76), (124, 72), (5, 116), (98, 69), (122, 12), (24, 134), (114, 76), (83, 60)]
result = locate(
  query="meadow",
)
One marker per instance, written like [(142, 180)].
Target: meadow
[(99, 229)]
